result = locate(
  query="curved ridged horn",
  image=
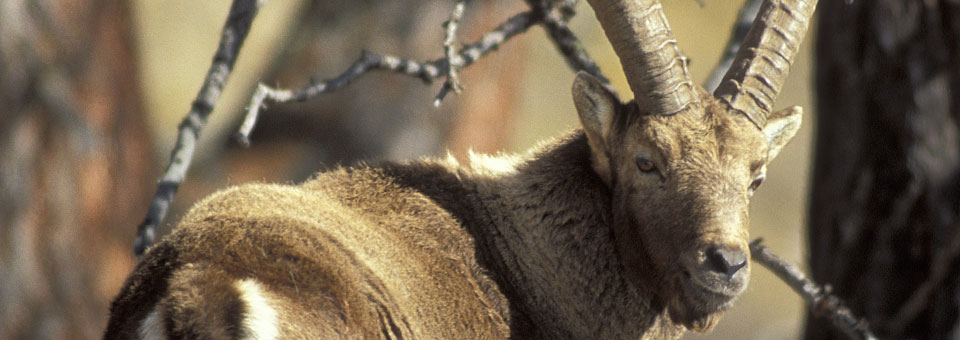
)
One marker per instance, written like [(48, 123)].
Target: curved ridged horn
[(753, 82), (653, 63)]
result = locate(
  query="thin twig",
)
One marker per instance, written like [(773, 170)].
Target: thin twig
[(556, 14), (570, 47), (450, 51), (553, 15), (235, 31), (744, 21), (368, 61), (822, 302)]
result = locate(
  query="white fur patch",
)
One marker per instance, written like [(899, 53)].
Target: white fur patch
[(260, 320), (493, 165), (152, 326)]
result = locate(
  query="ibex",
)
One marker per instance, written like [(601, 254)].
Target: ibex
[(633, 227)]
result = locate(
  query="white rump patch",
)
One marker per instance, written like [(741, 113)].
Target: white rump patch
[(152, 326), (260, 319)]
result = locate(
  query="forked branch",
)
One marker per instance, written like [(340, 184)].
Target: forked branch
[(235, 30), (450, 51), (369, 61), (553, 15)]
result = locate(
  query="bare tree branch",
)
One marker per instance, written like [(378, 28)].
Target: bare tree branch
[(450, 51), (368, 61), (570, 47), (552, 14), (235, 31), (556, 14), (824, 304)]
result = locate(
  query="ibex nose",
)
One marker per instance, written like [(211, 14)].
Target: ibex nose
[(725, 260)]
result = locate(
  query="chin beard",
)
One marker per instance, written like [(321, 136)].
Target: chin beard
[(692, 312), (696, 320)]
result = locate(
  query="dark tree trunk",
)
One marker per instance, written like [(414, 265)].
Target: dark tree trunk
[(886, 189)]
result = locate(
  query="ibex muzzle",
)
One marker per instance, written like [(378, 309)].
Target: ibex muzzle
[(634, 227)]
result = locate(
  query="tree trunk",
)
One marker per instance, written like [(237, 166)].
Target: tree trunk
[(886, 188), (75, 173)]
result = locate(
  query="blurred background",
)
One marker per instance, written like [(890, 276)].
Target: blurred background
[(91, 93)]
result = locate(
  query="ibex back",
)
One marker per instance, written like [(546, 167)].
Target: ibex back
[(633, 227)]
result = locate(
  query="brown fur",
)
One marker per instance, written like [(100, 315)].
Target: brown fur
[(537, 247), (635, 227), (568, 242)]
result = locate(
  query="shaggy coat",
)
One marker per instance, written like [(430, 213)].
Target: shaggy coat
[(633, 228), (515, 248)]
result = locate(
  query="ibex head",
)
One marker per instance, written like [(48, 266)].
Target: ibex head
[(681, 163)]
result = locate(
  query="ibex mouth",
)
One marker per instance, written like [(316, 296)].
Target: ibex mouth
[(720, 284), (698, 305), (711, 294), (713, 286)]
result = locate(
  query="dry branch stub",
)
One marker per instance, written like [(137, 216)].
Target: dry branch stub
[(450, 52)]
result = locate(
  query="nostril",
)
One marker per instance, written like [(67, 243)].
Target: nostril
[(726, 261)]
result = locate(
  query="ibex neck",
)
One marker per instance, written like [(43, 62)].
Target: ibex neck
[(548, 242)]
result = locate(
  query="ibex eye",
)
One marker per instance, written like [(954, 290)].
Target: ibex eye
[(756, 184), (646, 165)]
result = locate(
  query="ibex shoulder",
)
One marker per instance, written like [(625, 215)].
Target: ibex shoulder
[(353, 248)]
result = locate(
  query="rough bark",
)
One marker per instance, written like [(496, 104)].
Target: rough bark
[(886, 188)]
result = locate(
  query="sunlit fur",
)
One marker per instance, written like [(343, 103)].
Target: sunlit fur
[(570, 241)]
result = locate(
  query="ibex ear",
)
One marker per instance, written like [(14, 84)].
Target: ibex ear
[(780, 128), (596, 106)]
